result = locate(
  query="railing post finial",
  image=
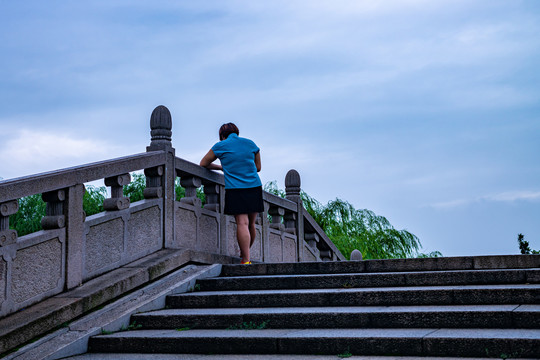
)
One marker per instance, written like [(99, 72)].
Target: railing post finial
[(160, 126), (292, 185)]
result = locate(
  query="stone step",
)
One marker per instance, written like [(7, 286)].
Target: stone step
[(464, 316), (384, 296), (360, 280), (397, 342), (134, 356), (387, 265)]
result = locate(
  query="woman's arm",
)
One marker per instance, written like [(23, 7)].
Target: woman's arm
[(258, 161), (208, 159)]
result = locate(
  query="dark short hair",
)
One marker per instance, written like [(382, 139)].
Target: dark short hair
[(227, 129)]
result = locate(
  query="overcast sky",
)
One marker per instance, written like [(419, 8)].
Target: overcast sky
[(426, 112)]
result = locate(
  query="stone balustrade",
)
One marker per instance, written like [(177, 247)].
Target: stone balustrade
[(72, 248)]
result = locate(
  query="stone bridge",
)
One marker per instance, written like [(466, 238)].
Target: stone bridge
[(77, 263)]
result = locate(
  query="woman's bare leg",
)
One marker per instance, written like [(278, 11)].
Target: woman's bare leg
[(252, 231), (243, 235)]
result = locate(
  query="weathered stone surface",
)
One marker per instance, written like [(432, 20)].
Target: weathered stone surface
[(104, 245), (162, 262), (3, 280), (301, 281), (308, 254), (145, 231), (256, 251), (36, 270), (108, 286), (186, 228), (484, 342), (506, 261), (37, 319), (289, 248), (433, 295), (209, 234), (232, 242), (276, 247)]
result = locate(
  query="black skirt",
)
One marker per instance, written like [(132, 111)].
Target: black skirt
[(243, 201)]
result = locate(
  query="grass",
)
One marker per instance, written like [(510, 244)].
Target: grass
[(346, 354), (249, 326)]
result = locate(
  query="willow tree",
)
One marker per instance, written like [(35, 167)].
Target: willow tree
[(350, 229)]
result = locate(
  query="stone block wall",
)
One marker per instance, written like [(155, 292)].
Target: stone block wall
[(115, 238), (32, 269)]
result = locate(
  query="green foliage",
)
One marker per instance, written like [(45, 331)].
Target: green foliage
[(28, 219), (130, 327), (350, 229), (524, 246), (432, 254), (346, 354), (249, 326), (93, 199), (181, 192), (134, 190)]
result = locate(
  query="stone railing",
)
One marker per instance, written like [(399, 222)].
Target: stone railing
[(73, 248)]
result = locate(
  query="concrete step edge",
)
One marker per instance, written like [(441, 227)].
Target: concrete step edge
[(427, 264), (431, 295), (498, 316), (413, 342), (453, 277)]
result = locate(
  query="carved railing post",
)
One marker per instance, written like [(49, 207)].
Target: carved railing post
[(154, 186), (292, 192), (117, 201), (191, 184), (211, 190), (54, 211), (75, 216), (7, 236), (161, 133)]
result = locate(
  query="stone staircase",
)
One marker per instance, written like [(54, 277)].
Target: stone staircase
[(486, 307)]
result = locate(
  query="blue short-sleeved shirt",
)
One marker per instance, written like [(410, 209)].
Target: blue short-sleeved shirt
[(237, 156)]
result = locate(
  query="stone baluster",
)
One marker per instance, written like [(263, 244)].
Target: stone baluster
[(326, 255), (276, 213), (7, 235), (54, 211), (191, 184), (211, 190), (312, 239), (290, 222), (154, 187), (117, 201)]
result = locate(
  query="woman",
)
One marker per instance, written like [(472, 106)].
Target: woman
[(240, 161)]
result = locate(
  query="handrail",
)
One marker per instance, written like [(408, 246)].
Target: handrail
[(187, 168), (49, 181), (328, 243)]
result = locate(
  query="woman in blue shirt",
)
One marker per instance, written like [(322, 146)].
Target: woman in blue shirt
[(240, 162)]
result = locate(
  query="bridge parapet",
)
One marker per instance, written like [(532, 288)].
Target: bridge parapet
[(72, 248)]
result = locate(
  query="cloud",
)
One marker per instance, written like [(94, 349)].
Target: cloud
[(32, 151), (505, 197)]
